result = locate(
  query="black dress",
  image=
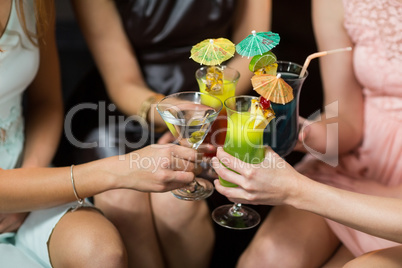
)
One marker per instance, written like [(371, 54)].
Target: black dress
[(161, 33)]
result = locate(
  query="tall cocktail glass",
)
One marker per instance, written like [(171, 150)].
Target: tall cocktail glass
[(189, 116), (244, 142), (217, 134), (281, 133)]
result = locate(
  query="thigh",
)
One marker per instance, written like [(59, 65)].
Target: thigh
[(290, 238), (185, 230), (340, 258), (175, 213), (389, 257), (130, 211)]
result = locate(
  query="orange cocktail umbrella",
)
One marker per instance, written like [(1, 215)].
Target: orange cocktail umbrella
[(273, 88)]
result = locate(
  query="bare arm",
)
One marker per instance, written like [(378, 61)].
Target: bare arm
[(26, 189), (282, 185), (44, 114), (250, 15), (340, 85), (116, 60), (45, 105)]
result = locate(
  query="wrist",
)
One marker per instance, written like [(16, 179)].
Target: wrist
[(148, 111), (300, 193), (94, 177)]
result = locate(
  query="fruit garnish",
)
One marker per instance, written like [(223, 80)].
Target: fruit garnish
[(269, 69), (260, 61), (196, 136), (261, 116), (214, 77), (265, 103)]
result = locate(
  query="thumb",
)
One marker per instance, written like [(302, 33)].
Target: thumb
[(268, 150), (304, 129)]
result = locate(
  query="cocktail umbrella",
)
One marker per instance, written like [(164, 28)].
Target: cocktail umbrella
[(273, 88), (213, 51), (257, 43)]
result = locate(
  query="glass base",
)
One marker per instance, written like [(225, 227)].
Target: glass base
[(202, 190), (238, 218)]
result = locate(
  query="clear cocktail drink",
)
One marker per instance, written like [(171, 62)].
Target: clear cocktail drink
[(189, 116)]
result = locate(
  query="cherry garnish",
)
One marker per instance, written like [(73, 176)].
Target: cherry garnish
[(265, 103)]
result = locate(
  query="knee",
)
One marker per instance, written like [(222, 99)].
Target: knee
[(102, 254), (92, 250), (86, 239), (269, 252)]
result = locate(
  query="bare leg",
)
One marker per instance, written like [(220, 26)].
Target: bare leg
[(130, 211), (290, 238), (340, 258), (85, 238), (185, 230), (389, 257)]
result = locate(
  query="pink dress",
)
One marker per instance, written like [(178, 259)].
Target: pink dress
[(375, 27)]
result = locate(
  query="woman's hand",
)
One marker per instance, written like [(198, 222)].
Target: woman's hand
[(271, 182), (155, 168), (303, 135), (166, 138)]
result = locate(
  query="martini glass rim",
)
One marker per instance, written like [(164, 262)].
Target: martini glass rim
[(216, 111)]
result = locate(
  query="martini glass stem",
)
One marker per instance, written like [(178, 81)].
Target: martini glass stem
[(236, 210), (193, 186)]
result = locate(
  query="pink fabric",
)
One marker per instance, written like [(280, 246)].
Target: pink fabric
[(375, 27)]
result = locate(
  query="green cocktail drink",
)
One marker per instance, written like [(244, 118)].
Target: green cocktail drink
[(242, 140), (245, 142)]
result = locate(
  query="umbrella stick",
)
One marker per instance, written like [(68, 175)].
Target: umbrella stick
[(320, 54)]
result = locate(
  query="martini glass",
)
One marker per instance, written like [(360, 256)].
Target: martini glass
[(280, 134), (189, 116)]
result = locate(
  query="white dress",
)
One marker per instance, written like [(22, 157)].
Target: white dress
[(19, 62)]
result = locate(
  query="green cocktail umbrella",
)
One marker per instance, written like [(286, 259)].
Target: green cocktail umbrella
[(257, 43)]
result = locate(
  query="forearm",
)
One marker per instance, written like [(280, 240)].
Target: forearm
[(377, 216), (29, 189)]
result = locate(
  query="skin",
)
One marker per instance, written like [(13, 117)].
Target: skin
[(185, 239), (300, 203), (283, 185), (174, 167), (79, 236), (45, 110)]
